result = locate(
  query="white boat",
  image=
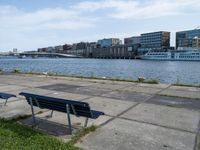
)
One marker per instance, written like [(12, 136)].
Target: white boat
[(179, 54), (157, 55)]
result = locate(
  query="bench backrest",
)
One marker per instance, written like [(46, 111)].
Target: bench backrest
[(77, 108), (6, 95)]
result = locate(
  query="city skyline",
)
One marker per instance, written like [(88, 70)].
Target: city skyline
[(30, 25)]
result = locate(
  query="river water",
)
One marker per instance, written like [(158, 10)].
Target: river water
[(187, 72)]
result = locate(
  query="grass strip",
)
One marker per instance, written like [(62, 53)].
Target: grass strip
[(14, 136)]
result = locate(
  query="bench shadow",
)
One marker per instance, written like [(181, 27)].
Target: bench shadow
[(49, 127)]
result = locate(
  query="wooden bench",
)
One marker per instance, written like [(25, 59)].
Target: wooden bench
[(77, 108), (6, 96)]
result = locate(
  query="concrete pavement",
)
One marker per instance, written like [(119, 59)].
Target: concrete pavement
[(136, 115)]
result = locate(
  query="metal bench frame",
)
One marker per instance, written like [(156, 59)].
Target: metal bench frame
[(31, 100)]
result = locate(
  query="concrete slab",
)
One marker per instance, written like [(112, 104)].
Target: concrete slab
[(8, 88), (34, 83), (159, 86), (1, 84), (77, 82), (194, 89), (113, 86), (149, 90), (25, 77), (38, 91), (61, 87), (128, 96), (178, 118), (109, 106), (70, 96), (25, 81), (91, 91), (181, 93), (123, 134), (15, 109), (175, 102)]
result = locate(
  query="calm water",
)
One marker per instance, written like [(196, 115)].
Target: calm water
[(165, 71)]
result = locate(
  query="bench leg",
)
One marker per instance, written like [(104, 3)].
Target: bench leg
[(51, 113), (86, 122), (32, 110), (69, 120), (6, 102)]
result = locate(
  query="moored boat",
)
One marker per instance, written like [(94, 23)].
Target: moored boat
[(191, 54)]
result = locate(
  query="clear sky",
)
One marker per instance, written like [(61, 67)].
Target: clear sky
[(30, 24)]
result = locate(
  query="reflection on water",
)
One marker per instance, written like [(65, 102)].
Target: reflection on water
[(165, 71)]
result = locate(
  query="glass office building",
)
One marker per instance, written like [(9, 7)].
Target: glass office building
[(159, 40), (186, 38)]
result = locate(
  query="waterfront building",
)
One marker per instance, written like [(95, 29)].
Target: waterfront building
[(132, 40), (154, 41), (66, 47), (89, 49), (116, 52), (196, 42), (79, 49), (109, 42), (50, 49), (80, 45), (58, 49), (188, 38), (14, 50), (44, 49)]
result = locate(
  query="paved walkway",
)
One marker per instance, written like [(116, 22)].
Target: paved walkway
[(138, 116)]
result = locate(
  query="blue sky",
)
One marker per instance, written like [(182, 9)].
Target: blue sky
[(30, 24)]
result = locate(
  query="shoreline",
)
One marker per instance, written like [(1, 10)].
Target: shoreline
[(140, 79)]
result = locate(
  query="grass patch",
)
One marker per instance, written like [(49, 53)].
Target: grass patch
[(77, 137), (14, 136), (150, 81), (21, 117)]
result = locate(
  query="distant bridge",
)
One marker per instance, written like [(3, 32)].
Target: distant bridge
[(43, 54)]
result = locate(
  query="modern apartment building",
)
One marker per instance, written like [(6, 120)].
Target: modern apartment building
[(188, 38), (109, 42), (132, 40), (58, 49), (196, 42), (159, 39), (154, 41)]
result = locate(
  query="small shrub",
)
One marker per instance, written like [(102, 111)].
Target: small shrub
[(152, 81), (141, 79), (16, 70)]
